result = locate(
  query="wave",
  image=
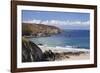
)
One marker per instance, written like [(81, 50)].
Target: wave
[(65, 49)]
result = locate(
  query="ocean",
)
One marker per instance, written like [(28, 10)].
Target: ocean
[(67, 38)]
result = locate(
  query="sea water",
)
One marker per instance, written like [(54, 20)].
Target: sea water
[(67, 38)]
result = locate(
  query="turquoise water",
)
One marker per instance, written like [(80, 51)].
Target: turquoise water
[(72, 38)]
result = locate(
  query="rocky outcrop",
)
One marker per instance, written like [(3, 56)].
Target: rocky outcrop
[(32, 53), (39, 30), (48, 56)]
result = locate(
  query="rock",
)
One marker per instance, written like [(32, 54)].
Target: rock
[(40, 44), (48, 56), (30, 51)]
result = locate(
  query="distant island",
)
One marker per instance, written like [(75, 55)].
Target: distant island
[(39, 30)]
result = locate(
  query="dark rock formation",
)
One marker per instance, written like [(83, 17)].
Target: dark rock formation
[(32, 53), (48, 56)]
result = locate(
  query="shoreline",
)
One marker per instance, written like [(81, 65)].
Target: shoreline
[(61, 49), (67, 53)]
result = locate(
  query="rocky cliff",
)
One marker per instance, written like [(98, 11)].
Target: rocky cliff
[(32, 53), (39, 30)]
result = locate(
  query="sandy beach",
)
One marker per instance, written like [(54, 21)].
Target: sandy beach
[(67, 53)]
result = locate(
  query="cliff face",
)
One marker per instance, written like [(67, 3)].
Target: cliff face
[(39, 30)]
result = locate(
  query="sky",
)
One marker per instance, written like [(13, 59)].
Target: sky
[(63, 20)]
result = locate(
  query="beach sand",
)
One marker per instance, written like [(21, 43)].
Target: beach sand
[(68, 53)]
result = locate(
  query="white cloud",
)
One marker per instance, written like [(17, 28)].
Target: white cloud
[(33, 21), (58, 22)]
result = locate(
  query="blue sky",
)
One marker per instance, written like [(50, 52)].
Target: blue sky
[(65, 20)]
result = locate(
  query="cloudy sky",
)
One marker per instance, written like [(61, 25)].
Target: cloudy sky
[(63, 20)]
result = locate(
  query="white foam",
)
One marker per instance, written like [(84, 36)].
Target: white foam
[(64, 49)]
